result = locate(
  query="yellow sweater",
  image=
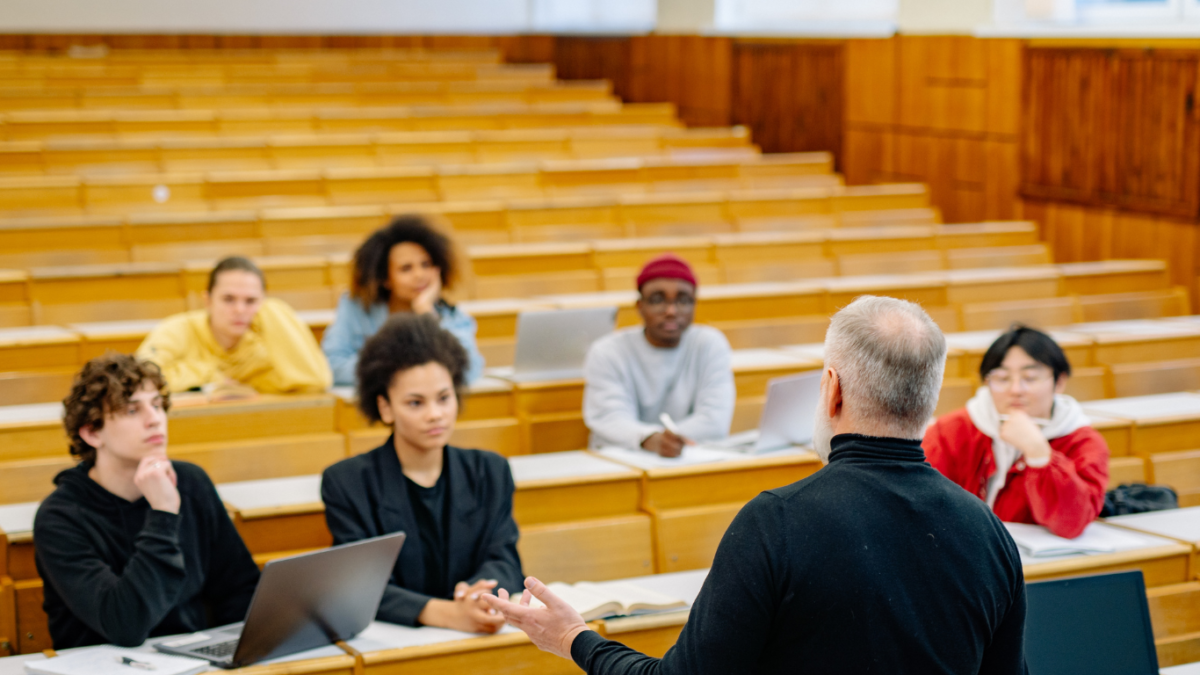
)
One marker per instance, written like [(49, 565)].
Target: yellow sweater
[(277, 355)]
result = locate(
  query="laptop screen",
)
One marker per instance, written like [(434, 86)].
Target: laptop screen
[(1098, 625)]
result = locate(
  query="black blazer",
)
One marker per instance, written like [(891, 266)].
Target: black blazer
[(366, 496)]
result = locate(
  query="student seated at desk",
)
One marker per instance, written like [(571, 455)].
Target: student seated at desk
[(400, 269), (241, 338), (666, 365), (456, 505), (1021, 444), (130, 544)]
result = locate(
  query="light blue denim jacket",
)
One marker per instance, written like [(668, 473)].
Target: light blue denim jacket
[(352, 326)]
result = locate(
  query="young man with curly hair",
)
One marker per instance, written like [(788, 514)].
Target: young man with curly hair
[(131, 544), (455, 504)]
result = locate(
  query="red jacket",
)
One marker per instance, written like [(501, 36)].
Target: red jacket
[(1065, 495)]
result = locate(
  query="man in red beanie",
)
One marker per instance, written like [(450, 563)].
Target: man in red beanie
[(635, 375)]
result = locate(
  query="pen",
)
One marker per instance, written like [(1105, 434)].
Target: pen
[(669, 424), (134, 663), (1036, 420)]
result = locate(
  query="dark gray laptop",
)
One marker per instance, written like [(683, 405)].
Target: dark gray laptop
[(552, 344), (302, 602), (1095, 625)]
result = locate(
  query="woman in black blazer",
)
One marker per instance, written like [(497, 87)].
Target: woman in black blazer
[(455, 504)]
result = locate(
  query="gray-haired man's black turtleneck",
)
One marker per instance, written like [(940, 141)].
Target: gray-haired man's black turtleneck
[(875, 564)]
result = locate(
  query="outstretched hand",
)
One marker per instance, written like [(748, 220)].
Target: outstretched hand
[(552, 628)]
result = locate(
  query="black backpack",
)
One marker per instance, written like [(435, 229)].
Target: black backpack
[(1138, 498)]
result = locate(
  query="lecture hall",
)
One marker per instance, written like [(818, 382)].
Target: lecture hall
[(591, 336)]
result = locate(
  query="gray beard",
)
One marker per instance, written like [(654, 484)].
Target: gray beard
[(822, 435)]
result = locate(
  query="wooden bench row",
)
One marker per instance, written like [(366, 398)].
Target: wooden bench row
[(91, 58), (149, 76), (525, 86), (32, 125), (166, 156), (377, 185), (61, 239)]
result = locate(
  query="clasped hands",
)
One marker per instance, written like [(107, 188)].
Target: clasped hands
[(467, 612)]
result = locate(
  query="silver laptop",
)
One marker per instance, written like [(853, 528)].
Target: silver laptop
[(552, 344), (787, 416), (302, 602)]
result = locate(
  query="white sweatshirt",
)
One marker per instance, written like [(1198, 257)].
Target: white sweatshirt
[(630, 383)]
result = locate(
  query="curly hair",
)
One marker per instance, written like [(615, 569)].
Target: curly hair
[(105, 384), (372, 259), (406, 341)]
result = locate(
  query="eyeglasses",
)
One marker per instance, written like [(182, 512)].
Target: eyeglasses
[(1002, 380), (659, 303)]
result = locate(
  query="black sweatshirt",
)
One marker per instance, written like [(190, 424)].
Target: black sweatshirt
[(119, 572), (368, 496), (875, 564)]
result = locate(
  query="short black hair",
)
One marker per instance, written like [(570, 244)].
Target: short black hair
[(1039, 346), (231, 263), (406, 341), (372, 257)]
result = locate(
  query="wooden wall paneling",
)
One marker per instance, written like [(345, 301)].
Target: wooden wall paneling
[(1001, 179), (790, 94), (1004, 80), (943, 83), (870, 82), (1115, 128), (594, 58), (693, 72)]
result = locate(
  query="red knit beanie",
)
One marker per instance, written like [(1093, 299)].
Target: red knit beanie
[(666, 266)]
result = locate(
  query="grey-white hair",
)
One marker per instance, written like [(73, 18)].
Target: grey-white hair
[(890, 357)]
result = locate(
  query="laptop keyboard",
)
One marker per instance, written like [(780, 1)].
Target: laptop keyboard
[(219, 650)]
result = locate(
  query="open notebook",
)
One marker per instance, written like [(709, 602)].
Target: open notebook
[(106, 660), (1036, 541), (611, 598)]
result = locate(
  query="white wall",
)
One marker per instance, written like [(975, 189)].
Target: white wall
[(323, 16), (943, 16), (471, 16)]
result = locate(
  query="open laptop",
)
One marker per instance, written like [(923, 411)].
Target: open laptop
[(552, 344), (302, 602), (1094, 625), (788, 416)]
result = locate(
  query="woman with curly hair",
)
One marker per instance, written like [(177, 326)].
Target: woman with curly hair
[(400, 269), (132, 544), (455, 504)]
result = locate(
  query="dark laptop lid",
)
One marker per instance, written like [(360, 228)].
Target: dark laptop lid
[(1095, 625), (314, 599)]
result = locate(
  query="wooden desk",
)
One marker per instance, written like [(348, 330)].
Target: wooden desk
[(1179, 524), (118, 336), (693, 503), (582, 503), (38, 348), (1142, 340), (1161, 423), (22, 595), (991, 284), (1117, 433), (389, 649), (1162, 561), (278, 514)]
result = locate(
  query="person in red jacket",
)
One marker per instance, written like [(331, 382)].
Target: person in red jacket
[(1021, 444)]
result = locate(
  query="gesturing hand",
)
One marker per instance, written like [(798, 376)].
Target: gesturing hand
[(552, 628), (467, 612), (156, 479)]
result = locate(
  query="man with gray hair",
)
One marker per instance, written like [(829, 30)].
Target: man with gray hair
[(875, 564)]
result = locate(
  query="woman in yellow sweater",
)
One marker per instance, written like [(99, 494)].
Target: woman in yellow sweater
[(240, 337)]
